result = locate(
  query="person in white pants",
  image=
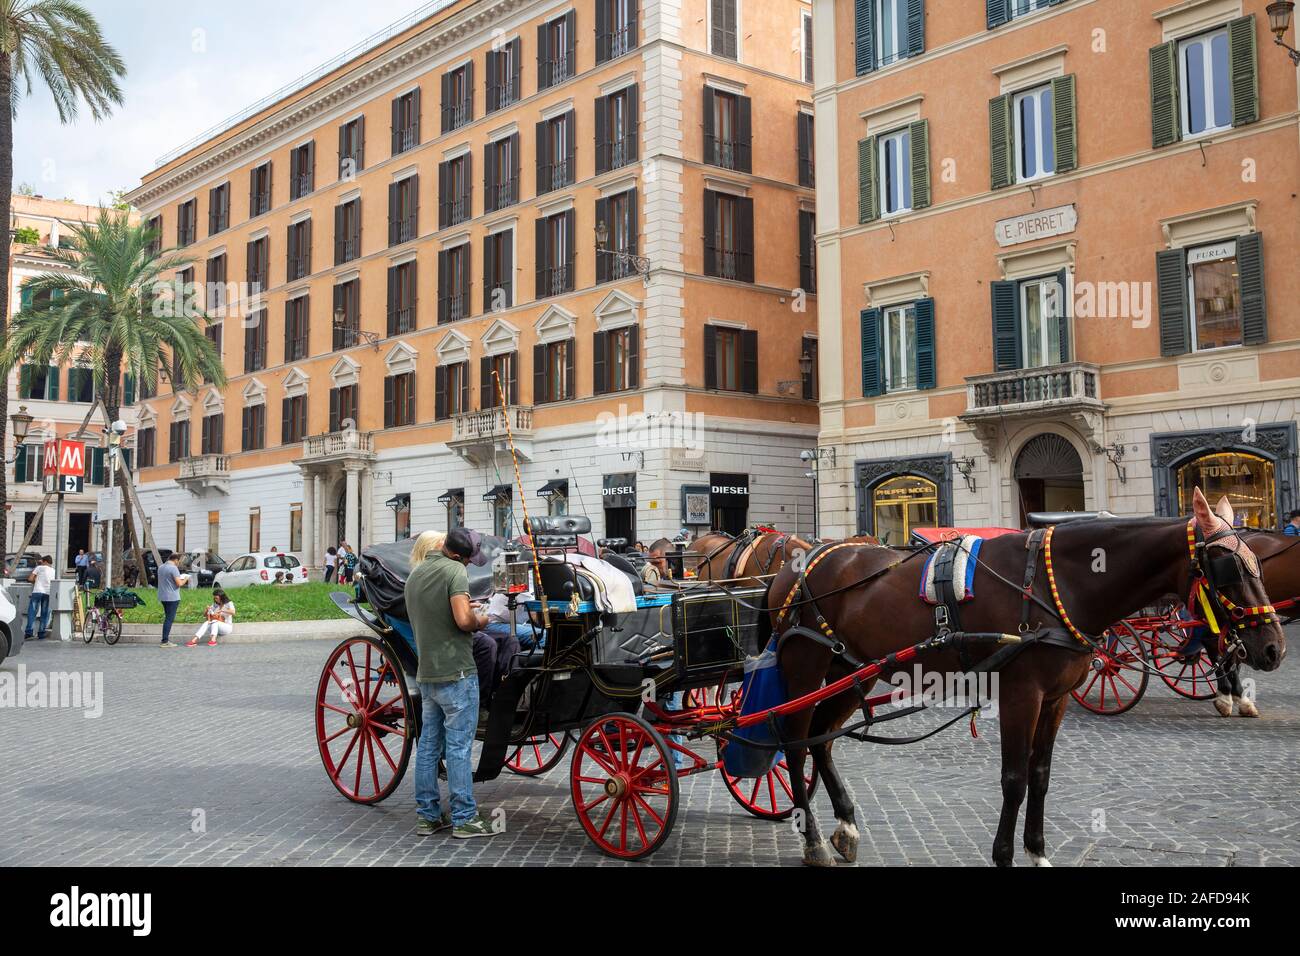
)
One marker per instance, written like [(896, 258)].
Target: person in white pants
[(220, 619)]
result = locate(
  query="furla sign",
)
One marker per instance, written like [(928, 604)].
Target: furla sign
[(1041, 224)]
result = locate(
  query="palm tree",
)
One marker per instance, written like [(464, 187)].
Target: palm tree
[(108, 306), (61, 43)]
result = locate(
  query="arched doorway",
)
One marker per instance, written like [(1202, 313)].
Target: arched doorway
[(1049, 476), (341, 522)]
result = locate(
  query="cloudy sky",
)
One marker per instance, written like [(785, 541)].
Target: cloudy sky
[(190, 64)]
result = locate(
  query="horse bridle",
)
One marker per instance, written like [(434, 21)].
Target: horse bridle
[(1210, 575)]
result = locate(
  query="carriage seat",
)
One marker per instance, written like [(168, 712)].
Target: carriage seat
[(623, 564), (1041, 519), (560, 524)]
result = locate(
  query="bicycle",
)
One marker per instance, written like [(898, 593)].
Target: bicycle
[(105, 621), (79, 607)]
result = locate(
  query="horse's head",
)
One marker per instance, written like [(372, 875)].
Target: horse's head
[(1231, 588)]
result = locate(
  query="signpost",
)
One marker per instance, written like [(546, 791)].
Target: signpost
[(65, 467)]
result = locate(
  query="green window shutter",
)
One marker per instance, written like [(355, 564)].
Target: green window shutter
[(1063, 278), (24, 380), (1250, 267), (96, 466), (1166, 124), (997, 12), (919, 133), (868, 194), (1001, 150), (1006, 326), (1243, 68), (873, 377), (915, 27), (52, 384), (1065, 123), (26, 297), (925, 373), (1171, 294), (128, 390), (20, 463), (864, 36)]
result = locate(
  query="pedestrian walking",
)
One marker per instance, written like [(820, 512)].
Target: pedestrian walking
[(38, 605), (331, 563), (437, 603), (170, 582), (220, 620)]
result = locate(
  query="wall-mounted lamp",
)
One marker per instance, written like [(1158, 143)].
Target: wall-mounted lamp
[(1114, 453), (1279, 21), (966, 468), (350, 338)]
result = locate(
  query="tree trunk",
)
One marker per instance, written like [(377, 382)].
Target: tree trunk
[(112, 398), (6, 211)]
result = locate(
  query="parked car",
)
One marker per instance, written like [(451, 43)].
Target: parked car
[(261, 568), (188, 565), (20, 566)]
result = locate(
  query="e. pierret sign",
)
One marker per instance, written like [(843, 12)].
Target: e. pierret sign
[(1042, 224)]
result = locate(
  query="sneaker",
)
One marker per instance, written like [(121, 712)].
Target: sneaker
[(429, 827), (168, 644), (478, 827)]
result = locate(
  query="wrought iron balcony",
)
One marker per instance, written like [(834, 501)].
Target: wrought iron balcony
[(206, 471)]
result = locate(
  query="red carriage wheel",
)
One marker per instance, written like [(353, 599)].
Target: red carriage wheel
[(769, 797), (365, 720), (1119, 674), (1190, 677), (624, 786), (536, 755)]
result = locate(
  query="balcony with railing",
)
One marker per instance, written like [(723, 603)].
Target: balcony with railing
[(500, 195), (555, 280), (615, 43), (340, 446), (204, 472), (503, 94), (402, 230), (477, 436), (299, 266), (458, 114), (621, 152), (345, 250), (401, 321), (259, 203), (725, 153), (300, 185), (455, 306), (1069, 390), (405, 138)]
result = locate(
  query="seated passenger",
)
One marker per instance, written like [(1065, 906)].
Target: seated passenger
[(656, 567)]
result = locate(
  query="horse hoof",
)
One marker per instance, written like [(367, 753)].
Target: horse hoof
[(1246, 707), (845, 841), (1223, 704), (818, 856), (1037, 860)]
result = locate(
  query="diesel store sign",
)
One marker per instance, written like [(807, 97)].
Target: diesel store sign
[(619, 491), (729, 490)]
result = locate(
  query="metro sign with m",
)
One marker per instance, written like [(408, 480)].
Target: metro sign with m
[(65, 457)]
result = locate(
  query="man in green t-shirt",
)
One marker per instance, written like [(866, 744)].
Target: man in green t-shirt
[(437, 603)]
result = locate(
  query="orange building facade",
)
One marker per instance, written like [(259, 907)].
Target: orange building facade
[(587, 223), (1056, 244)]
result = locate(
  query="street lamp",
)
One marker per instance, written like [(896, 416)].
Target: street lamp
[(640, 265), (1279, 21), (805, 369), (341, 324), (21, 423)]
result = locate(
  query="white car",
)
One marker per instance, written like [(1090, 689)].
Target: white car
[(261, 568)]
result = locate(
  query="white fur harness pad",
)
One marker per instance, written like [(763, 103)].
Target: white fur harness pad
[(965, 557)]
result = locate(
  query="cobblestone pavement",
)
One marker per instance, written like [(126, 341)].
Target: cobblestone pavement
[(229, 732)]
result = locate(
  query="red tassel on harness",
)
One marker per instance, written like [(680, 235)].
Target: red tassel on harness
[(973, 732)]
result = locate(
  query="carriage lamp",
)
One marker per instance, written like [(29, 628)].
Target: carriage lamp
[(517, 574), (1279, 21), (966, 468), (22, 423), (626, 261), (787, 387), (341, 325)]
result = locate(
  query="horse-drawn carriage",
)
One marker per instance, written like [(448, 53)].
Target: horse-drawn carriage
[(599, 676)]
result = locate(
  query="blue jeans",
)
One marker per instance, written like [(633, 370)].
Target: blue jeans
[(38, 605), (169, 618), (450, 713)]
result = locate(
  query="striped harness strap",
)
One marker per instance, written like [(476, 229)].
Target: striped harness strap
[(800, 585), (1206, 592), (1056, 591)]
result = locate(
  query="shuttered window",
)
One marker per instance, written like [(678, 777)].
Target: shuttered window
[(454, 283), (728, 130), (39, 383), (255, 337), (212, 439), (497, 375), (807, 48), (293, 419), (807, 250), (298, 251), (617, 215), (259, 265), (556, 146), (722, 28), (1031, 322), (804, 139), (404, 210), (503, 71), (1033, 133), (401, 298), (302, 170), (555, 254), (553, 373), (556, 61), (343, 407), (347, 232), (451, 390), (898, 348), (811, 378), (498, 271), (218, 209), (1204, 84), (345, 315), (352, 148), (186, 215), (1212, 296), (885, 31), (259, 190), (455, 197), (146, 443), (253, 428), (730, 359), (81, 385), (616, 130), (728, 236), (458, 97), (616, 360), (616, 28), (296, 314), (998, 12), (501, 173), (178, 440), (406, 122)]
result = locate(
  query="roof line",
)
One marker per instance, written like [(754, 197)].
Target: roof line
[(311, 76)]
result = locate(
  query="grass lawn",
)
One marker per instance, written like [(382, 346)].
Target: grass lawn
[(298, 602)]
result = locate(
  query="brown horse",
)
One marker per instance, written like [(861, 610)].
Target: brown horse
[(869, 599), (745, 558)]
